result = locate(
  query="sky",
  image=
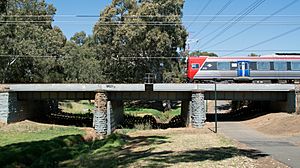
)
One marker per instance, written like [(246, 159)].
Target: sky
[(265, 28)]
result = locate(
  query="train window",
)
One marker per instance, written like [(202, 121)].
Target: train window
[(195, 66), (263, 66), (253, 66), (280, 66), (209, 66), (272, 66), (223, 66), (295, 66), (234, 65), (289, 66)]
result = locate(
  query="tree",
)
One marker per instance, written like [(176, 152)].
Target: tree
[(30, 44), (3, 5), (253, 55), (202, 53), (81, 64), (131, 34)]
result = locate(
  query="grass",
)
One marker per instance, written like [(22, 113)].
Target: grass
[(28, 131), (56, 146), (28, 144), (161, 116), (79, 107)]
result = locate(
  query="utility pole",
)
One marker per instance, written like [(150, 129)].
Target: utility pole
[(216, 113)]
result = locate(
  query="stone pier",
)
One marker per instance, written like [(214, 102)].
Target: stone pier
[(100, 113), (198, 113), (107, 114), (194, 112)]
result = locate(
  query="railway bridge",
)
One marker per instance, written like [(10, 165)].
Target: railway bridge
[(24, 101)]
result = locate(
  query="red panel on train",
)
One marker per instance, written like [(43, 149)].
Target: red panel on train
[(194, 64)]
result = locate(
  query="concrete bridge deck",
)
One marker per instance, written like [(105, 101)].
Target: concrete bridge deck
[(160, 87)]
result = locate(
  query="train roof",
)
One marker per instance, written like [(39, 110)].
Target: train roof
[(264, 57)]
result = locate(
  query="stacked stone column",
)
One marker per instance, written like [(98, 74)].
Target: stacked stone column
[(100, 114), (198, 112)]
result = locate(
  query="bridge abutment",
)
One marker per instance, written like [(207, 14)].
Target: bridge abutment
[(290, 105), (14, 110)]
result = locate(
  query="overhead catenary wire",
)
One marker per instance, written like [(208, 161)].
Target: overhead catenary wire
[(151, 23), (242, 14), (62, 57), (146, 16), (254, 50), (267, 40), (145, 57), (201, 11), (214, 17), (251, 26)]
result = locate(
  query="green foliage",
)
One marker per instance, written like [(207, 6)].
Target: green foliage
[(20, 133), (161, 116), (25, 38), (200, 53), (127, 41), (146, 126), (120, 50), (43, 151), (81, 64), (74, 107), (253, 55)]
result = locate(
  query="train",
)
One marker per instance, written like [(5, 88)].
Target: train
[(273, 69)]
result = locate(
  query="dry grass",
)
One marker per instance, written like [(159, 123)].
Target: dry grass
[(186, 147), (277, 124)]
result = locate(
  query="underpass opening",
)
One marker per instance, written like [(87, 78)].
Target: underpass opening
[(139, 114), (228, 110), (67, 112)]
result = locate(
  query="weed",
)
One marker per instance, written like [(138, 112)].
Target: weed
[(144, 126)]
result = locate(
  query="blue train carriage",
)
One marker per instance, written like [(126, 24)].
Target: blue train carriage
[(277, 68)]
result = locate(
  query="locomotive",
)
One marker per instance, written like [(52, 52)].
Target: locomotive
[(275, 68)]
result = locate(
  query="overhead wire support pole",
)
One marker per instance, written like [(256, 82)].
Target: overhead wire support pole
[(216, 112)]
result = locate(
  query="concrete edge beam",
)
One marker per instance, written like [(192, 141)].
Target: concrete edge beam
[(74, 87)]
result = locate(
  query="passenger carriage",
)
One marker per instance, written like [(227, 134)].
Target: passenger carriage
[(263, 68)]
